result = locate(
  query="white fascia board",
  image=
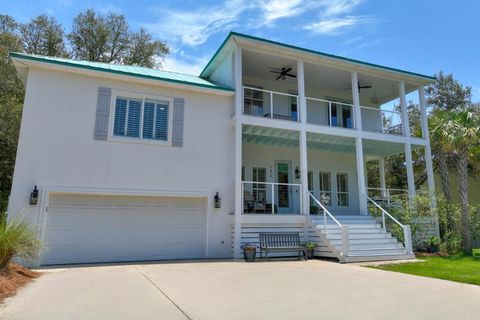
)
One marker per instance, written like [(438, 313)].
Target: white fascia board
[(23, 63)]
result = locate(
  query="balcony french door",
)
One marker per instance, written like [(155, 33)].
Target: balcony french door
[(283, 176)]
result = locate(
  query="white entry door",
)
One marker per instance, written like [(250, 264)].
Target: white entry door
[(104, 228)]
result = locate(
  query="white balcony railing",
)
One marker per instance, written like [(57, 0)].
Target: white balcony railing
[(270, 104), (388, 197), (330, 113), (271, 198), (382, 121)]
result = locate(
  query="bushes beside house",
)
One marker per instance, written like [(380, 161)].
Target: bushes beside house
[(421, 217)]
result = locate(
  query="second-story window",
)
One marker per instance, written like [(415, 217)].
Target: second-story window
[(141, 118)]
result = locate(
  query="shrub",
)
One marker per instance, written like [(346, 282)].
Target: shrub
[(451, 244), (17, 240)]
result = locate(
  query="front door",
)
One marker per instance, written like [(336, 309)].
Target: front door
[(283, 193)]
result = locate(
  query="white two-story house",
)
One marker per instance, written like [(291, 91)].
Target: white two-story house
[(135, 164)]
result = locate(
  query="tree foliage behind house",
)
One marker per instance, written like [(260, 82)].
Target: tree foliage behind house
[(104, 38)]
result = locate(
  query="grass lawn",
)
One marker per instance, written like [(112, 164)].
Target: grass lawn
[(460, 269)]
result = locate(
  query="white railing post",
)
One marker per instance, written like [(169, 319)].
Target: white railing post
[(271, 104), (383, 222), (324, 221), (345, 241), (273, 198), (330, 114), (407, 233)]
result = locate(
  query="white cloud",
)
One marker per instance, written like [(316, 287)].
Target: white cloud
[(194, 27), (334, 18), (277, 9), (182, 65), (334, 26), (338, 7)]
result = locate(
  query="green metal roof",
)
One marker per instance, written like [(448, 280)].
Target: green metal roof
[(133, 71), (323, 54)]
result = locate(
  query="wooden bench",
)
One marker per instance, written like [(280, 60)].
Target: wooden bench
[(281, 242)]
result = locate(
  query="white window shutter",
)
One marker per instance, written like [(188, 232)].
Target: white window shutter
[(178, 115), (102, 113)]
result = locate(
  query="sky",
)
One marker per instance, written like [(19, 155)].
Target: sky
[(423, 36)]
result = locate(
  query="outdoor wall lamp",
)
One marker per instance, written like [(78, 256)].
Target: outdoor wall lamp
[(217, 202), (34, 196), (297, 173)]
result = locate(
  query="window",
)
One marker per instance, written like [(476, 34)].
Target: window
[(259, 190), (325, 188), (141, 118), (342, 189), (310, 181)]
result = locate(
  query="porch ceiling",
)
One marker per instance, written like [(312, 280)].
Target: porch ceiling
[(320, 142)]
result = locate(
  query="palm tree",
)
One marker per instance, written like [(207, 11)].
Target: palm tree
[(458, 132), (441, 149)]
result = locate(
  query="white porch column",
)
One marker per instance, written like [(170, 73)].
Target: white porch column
[(403, 107), (408, 146), (383, 183), (238, 152), (428, 150), (303, 137), (428, 155), (362, 190)]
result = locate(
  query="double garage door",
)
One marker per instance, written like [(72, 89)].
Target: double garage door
[(104, 228)]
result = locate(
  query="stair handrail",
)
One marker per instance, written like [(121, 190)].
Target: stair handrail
[(385, 212), (325, 213), (407, 235)]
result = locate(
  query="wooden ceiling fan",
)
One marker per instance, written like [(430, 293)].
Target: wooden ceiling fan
[(284, 73)]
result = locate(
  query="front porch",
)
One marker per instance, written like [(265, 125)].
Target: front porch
[(328, 211)]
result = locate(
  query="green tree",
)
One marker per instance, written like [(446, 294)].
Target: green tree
[(43, 35), (144, 51), (11, 100), (458, 130), (446, 93), (107, 38)]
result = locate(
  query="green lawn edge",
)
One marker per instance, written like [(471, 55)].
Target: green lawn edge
[(463, 269)]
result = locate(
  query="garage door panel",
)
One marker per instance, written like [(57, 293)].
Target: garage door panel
[(93, 228)]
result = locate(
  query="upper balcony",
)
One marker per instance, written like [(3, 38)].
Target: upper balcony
[(270, 90)]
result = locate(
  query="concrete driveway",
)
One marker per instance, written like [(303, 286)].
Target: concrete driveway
[(238, 290)]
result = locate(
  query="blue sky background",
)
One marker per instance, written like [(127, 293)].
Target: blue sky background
[(423, 36)]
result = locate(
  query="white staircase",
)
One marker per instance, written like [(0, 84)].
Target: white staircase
[(357, 238), (367, 239)]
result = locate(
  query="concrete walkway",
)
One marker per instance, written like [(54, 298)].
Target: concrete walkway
[(238, 290)]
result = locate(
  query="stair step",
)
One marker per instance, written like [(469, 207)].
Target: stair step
[(379, 257), (358, 252), (351, 226), (370, 246), (365, 241), (358, 236), (353, 230)]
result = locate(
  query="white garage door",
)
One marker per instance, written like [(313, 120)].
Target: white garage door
[(100, 228)]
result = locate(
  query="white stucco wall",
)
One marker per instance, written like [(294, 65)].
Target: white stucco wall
[(265, 156), (57, 149)]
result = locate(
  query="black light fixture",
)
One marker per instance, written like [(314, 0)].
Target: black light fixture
[(217, 202), (297, 173), (34, 196)]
